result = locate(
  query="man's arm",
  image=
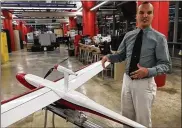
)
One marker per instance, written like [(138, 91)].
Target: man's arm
[(121, 52), (164, 64)]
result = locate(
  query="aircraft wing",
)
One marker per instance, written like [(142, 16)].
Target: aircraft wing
[(23, 106)]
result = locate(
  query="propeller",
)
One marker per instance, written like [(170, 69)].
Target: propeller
[(49, 72), (52, 69)]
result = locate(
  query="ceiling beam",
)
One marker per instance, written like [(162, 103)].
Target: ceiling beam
[(51, 14), (38, 7), (59, 19), (36, 4), (43, 23)]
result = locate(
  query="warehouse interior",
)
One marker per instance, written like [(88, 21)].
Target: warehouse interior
[(37, 35)]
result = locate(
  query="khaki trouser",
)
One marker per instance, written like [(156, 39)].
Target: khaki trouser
[(137, 97)]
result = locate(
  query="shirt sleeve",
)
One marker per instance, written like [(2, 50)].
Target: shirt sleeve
[(120, 55), (163, 59)]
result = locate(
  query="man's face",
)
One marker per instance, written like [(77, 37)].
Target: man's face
[(144, 15)]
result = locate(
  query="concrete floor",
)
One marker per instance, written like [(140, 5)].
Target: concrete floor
[(166, 111)]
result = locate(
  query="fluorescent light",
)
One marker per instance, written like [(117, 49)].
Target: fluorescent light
[(18, 14), (79, 10), (95, 7), (35, 8), (13, 16), (17, 10), (2, 17), (109, 18)]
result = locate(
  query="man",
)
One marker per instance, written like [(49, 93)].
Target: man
[(146, 54)]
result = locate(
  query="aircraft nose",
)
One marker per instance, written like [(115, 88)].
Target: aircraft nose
[(21, 78)]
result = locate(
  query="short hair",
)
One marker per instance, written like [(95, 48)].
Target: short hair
[(145, 2)]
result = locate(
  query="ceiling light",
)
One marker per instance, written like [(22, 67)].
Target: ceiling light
[(13, 16), (95, 7), (2, 17), (109, 18), (17, 10)]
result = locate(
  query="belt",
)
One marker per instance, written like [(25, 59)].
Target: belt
[(127, 73)]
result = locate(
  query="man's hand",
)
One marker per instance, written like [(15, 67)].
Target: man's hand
[(140, 73), (104, 59)]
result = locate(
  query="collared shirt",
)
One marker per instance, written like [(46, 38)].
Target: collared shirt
[(154, 52)]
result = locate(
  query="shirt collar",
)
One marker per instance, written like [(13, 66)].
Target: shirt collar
[(146, 29)]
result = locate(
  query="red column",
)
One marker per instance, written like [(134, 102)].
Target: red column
[(65, 28), (17, 27), (28, 29), (72, 23), (163, 23), (7, 24), (25, 32), (89, 18), (160, 23), (22, 30), (163, 18), (155, 22)]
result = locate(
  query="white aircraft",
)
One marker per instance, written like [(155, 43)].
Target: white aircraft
[(45, 92)]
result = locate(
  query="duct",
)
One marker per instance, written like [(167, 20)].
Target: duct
[(36, 4), (51, 14), (37, 8)]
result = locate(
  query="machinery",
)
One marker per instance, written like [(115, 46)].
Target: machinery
[(41, 42)]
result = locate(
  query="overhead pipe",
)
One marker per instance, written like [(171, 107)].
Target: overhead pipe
[(36, 3), (41, 19), (37, 7), (44, 23), (51, 14), (80, 9), (97, 6)]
